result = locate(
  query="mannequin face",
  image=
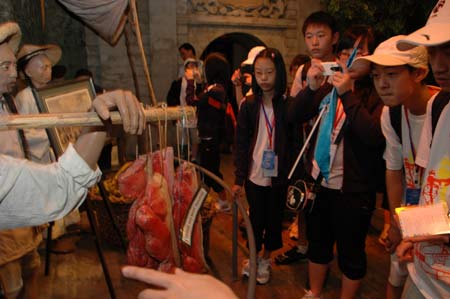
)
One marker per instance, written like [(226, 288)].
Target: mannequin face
[(8, 69), (39, 69)]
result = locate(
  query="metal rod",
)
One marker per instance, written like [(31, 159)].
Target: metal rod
[(250, 236), (319, 117)]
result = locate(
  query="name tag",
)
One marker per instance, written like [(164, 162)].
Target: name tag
[(412, 196), (269, 164)]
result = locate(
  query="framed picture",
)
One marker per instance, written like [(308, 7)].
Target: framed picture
[(68, 96)]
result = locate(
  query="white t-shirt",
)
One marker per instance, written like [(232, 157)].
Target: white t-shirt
[(262, 143), (297, 83), (400, 155), (430, 270)]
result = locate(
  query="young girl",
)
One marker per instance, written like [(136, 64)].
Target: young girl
[(211, 105), (261, 156)]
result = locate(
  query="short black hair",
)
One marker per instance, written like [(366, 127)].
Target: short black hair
[(280, 68), (320, 18), (352, 33), (187, 46), (217, 69), (299, 60)]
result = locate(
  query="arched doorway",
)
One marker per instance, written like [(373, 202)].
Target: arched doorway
[(234, 46)]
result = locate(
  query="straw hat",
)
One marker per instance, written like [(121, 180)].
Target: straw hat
[(53, 53), (11, 34)]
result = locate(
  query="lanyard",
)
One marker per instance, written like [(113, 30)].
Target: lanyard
[(269, 126), (339, 115), (418, 170)]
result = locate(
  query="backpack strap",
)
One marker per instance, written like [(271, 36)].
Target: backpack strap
[(395, 114), (441, 100)]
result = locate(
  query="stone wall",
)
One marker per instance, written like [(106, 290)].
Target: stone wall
[(167, 24), (60, 28)]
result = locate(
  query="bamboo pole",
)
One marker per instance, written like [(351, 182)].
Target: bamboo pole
[(44, 120), (135, 21)]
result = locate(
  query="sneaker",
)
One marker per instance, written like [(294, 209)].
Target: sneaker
[(246, 268), (263, 272), (309, 295), (223, 206), (290, 256)]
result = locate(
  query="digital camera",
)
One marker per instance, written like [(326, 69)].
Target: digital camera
[(330, 68)]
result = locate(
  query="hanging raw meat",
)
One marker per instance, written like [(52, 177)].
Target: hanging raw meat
[(150, 226), (133, 180), (186, 185), (163, 164)]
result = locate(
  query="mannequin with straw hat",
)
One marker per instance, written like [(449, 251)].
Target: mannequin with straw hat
[(35, 64)]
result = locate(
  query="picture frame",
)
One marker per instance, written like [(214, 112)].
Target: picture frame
[(69, 96)]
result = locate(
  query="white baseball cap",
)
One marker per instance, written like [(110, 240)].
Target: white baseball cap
[(435, 32), (387, 54), (252, 54)]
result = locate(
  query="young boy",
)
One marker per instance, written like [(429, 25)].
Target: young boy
[(321, 35), (347, 151), (429, 270), (398, 78)]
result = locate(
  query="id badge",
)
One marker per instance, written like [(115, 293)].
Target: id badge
[(269, 164), (268, 160), (412, 196)]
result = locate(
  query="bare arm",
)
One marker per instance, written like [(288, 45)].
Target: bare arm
[(394, 188)]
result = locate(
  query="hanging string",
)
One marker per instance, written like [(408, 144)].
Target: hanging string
[(164, 106), (150, 135), (160, 132), (188, 137)]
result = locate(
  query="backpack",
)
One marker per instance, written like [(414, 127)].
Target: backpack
[(395, 113)]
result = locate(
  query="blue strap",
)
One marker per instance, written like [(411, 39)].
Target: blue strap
[(323, 144)]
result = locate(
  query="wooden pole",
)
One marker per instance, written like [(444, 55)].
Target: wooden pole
[(44, 120), (135, 20)]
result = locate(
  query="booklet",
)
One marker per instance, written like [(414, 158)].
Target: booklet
[(424, 220)]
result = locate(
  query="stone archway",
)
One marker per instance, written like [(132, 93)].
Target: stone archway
[(234, 46)]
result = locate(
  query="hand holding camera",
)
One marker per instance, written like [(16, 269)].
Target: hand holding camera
[(329, 68)]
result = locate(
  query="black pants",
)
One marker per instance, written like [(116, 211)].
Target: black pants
[(209, 156), (266, 214), (343, 218)]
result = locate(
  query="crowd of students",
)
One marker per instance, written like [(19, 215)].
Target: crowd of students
[(377, 106)]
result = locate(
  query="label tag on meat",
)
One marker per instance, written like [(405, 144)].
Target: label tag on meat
[(191, 215)]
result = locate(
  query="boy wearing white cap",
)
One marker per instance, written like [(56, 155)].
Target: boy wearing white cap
[(398, 78), (429, 257)]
